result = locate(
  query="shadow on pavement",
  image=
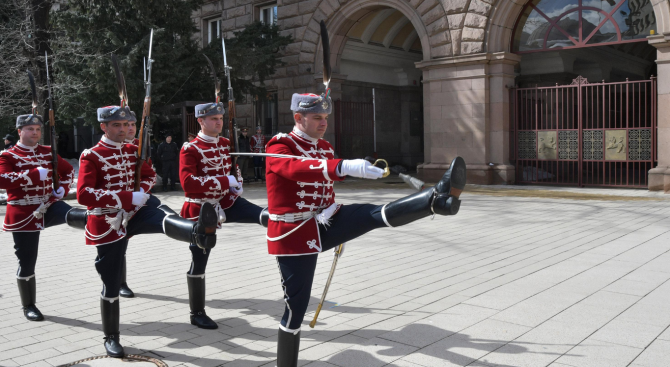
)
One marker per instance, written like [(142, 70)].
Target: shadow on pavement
[(456, 348)]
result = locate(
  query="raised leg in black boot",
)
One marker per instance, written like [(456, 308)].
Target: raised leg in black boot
[(441, 199), (202, 232), (76, 218)]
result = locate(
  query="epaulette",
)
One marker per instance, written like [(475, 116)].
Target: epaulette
[(280, 135)]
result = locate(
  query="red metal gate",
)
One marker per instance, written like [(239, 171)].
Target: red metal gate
[(192, 125), (354, 129), (584, 134)]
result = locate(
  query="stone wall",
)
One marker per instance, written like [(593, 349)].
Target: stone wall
[(467, 70), (452, 27)]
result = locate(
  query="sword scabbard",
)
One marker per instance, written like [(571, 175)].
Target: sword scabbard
[(316, 315)]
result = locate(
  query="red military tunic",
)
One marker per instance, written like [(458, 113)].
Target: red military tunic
[(258, 143), (28, 197), (204, 167), (297, 186), (105, 187)]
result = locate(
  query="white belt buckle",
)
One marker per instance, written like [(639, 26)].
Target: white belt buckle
[(289, 218)]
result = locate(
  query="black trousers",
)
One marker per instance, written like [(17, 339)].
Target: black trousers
[(243, 162), (297, 272), (26, 243), (258, 162), (242, 211), (110, 257), (170, 171)]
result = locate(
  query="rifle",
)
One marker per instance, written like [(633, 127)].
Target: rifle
[(232, 124), (52, 132), (145, 129)]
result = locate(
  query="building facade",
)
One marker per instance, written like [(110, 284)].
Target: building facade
[(549, 91)]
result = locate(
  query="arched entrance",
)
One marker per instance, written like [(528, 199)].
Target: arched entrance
[(584, 106), (377, 87)]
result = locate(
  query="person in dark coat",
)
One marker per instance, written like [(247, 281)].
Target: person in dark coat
[(168, 154), (9, 141), (245, 147)]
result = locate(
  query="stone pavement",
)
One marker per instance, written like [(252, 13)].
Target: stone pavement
[(510, 281)]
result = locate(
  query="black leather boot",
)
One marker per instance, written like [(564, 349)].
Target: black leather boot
[(110, 326), (265, 217), (28, 293), (167, 210), (76, 218), (288, 346), (202, 232), (125, 291), (196, 300), (440, 199)]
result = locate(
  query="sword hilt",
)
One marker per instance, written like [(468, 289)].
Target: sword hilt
[(387, 171)]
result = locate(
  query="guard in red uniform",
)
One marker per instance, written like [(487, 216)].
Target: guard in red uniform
[(207, 176), (115, 212), (258, 146), (305, 220), (26, 173)]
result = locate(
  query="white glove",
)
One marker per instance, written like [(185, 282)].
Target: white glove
[(140, 198), (237, 190), (43, 173), (58, 194), (360, 168), (235, 186), (232, 182)]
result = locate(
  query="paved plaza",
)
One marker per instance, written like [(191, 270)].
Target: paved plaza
[(512, 280)]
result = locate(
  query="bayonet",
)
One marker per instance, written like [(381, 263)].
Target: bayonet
[(232, 124), (55, 181), (325, 42), (145, 128)]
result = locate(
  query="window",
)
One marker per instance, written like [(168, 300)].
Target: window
[(557, 24), (214, 29), (268, 14)]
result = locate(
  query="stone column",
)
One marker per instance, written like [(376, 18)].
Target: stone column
[(467, 114), (501, 79), (659, 177)]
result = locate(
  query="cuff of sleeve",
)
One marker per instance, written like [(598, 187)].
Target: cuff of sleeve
[(332, 170), (34, 175), (146, 187), (225, 184), (126, 200)]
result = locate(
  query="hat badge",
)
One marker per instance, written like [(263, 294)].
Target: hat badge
[(123, 114), (325, 105), (218, 108), (35, 119)]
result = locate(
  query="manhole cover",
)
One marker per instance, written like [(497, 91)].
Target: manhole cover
[(106, 361)]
